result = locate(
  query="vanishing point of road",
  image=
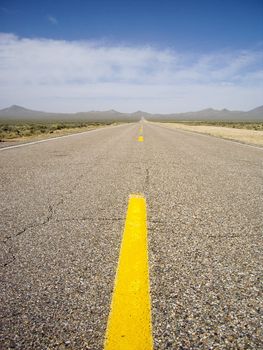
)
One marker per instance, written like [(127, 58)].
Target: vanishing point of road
[(63, 208)]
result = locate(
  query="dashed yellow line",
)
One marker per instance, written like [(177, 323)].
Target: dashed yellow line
[(129, 323), (140, 139)]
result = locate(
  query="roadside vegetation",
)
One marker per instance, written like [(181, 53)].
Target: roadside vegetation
[(235, 125), (11, 131)]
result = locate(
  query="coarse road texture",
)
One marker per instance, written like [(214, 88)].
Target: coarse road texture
[(63, 206)]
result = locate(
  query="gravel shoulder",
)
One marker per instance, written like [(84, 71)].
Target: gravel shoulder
[(251, 137)]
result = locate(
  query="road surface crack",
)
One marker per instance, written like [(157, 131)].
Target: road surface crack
[(89, 218), (146, 181), (11, 260), (50, 215)]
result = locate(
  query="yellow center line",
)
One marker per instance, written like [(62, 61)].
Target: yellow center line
[(140, 139), (129, 322)]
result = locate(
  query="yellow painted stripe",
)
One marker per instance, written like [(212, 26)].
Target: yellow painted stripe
[(141, 129), (140, 139), (129, 323)]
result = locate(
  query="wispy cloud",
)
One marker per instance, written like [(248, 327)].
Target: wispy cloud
[(52, 19), (6, 10), (78, 75)]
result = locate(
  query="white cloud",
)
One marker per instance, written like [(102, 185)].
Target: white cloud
[(52, 19), (68, 76)]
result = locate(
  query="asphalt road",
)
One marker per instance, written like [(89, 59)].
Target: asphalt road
[(62, 211)]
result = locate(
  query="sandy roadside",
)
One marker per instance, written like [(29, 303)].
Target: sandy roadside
[(252, 137)]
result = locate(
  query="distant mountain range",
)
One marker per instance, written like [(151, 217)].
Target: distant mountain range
[(18, 113)]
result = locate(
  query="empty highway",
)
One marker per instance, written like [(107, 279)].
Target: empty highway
[(62, 215)]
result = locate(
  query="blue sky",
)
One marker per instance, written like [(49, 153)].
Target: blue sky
[(159, 56)]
